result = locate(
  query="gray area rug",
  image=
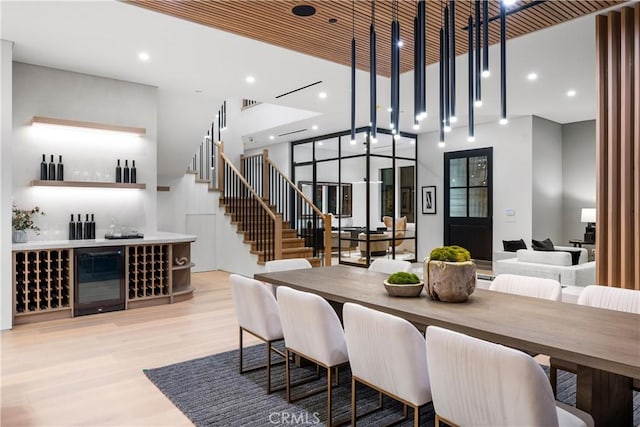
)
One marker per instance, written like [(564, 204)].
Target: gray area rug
[(211, 392)]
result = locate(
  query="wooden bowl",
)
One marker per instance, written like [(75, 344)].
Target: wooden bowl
[(404, 290)]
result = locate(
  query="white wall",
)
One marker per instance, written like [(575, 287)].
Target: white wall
[(578, 175), (6, 109), (40, 91), (512, 179), (547, 180)]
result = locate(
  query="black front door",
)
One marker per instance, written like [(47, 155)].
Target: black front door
[(468, 201)]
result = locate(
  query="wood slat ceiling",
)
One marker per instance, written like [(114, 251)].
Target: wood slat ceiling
[(273, 22)]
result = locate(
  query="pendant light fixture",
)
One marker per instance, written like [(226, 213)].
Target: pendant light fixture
[(422, 22), (478, 64), (442, 67), (395, 68), (416, 74), (470, 126), (353, 73), (503, 65), (446, 63), (485, 38), (452, 61), (372, 73)]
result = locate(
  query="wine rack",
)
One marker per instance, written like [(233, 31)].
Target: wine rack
[(42, 281), (148, 271)]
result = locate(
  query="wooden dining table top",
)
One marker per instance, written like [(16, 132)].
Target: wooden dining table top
[(602, 339)]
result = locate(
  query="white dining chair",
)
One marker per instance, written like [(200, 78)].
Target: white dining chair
[(389, 266), (286, 264), (373, 341), (527, 286), (313, 331), (257, 313), (475, 382), (606, 297)]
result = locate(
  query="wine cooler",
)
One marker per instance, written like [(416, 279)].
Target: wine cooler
[(99, 280)]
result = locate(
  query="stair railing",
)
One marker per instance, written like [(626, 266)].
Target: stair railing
[(205, 161), (297, 209), (260, 224)]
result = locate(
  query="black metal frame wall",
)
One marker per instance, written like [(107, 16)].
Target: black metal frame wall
[(345, 136)]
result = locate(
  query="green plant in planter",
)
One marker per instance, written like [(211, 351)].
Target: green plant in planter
[(403, 278), (450, 254), (22, 219)]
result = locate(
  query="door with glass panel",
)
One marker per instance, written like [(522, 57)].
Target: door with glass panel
[(468, 201)]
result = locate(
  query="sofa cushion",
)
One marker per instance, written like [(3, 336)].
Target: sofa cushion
[(544, 257), (542, 245), (575, 255), (513, 245)]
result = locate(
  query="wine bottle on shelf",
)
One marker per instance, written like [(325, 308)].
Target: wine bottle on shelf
[(52, 170), (87, 228), (133, 172), (79, 228), (92, 227), (60, 171), (118, 172), (126, 171), (44, 172), (72, 229)]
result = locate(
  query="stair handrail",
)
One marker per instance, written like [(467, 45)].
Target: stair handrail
[(326, 218), (277, 218)]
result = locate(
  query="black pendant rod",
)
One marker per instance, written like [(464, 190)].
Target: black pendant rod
[(372, 72), (485, 38), (452, 59), (513, 10), (478, 65), (422, 22), (447, 75), (393, 75), (442, 86), (353, 74), (471, 80), (416, 74), (503, 64), (395, 45)]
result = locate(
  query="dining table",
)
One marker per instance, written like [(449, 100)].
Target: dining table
[(604, 344)]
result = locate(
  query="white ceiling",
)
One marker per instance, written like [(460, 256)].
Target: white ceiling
[(104, 38)]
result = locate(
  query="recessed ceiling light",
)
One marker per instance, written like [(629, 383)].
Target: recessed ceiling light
[(571, 93), (198, 91), (314, 127), (400, 43), (509, 2), (143, 56), (332, 20), (303, 10), (322, 95), (532, 76), (271, 137), (250, 79)]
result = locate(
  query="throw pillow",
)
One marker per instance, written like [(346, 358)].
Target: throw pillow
[(575, 255), (544, 245), (513, 245)]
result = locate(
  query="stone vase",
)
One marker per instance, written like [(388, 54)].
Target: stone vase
[(19, 236), (450, 281)]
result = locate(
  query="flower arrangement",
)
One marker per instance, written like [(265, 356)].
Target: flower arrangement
[(23, 219)]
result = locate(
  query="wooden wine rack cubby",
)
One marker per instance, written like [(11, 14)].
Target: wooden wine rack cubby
[(43, 283), (148, 272)]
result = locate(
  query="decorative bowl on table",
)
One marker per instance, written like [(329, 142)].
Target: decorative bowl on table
[(403, 284)]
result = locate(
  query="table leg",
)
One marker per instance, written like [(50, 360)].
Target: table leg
[(606, 396)]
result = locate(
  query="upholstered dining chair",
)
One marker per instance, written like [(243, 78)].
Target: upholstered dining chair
[(389, 266), (373, 339), (313, 331), (257, 313), (286, 264), (606, 297), (474, 382), (401, 227), (527, 286)]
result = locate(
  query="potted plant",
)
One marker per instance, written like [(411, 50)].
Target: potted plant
[(21, 221), (450, 274), (403, 284)]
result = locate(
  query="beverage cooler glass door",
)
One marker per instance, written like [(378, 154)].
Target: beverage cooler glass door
[(99, 280)]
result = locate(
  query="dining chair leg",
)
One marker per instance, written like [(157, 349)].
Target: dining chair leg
[(416, 416), (240, 329), (268, 367), (553, 379), (353, 402), (437, 422), (329, 381), (287, 375)]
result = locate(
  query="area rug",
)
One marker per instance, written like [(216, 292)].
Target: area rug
[(211, 392)]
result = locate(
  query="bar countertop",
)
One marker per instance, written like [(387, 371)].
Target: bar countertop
[(150, 238)]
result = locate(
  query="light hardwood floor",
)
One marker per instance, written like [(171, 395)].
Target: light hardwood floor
[(87, 371)]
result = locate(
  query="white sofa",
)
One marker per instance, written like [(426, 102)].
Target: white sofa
[(550, 265)]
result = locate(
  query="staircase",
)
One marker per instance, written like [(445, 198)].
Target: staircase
[(275, 219)]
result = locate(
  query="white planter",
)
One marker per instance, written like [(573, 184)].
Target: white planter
[(19, 236)]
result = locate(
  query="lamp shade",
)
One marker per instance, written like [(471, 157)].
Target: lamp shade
[(588, 215)]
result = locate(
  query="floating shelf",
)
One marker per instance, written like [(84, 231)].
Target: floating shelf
[(89, 184), (50, 121)]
